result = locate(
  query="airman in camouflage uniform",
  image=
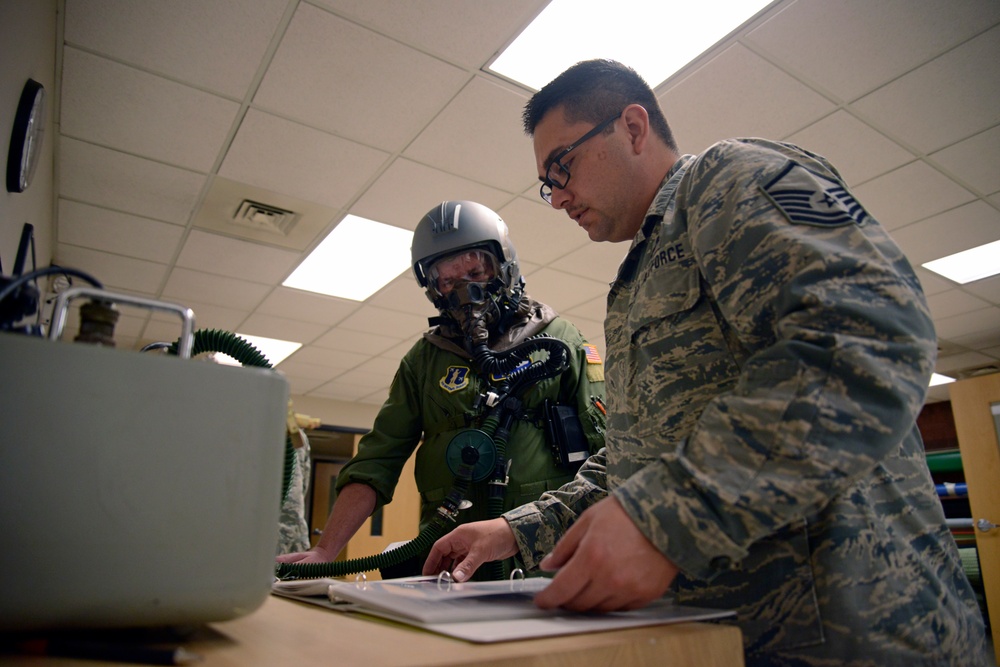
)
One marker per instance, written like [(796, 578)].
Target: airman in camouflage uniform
[(769, 348)]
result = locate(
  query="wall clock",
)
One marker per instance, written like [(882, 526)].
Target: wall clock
[(26, 137)]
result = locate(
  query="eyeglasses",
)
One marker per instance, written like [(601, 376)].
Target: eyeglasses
[(557, 175)]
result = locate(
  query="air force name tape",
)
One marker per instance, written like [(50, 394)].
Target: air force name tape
[(808, 198)]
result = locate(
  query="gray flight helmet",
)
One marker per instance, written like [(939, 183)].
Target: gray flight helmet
[(453, 226)]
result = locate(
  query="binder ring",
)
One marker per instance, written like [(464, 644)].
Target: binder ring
[(444, 580), (361, 580), (517, 574)]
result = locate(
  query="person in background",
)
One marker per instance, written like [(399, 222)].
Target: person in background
[(466, 262), (768, 350)]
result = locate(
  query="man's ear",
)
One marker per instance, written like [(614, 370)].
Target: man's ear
[(637, 126)]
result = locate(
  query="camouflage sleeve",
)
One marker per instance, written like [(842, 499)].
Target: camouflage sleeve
[(538, 526), (838, 346)]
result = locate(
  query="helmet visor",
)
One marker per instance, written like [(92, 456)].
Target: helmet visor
[(465, 266)]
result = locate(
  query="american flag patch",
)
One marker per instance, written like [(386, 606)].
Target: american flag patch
[(808, 198), (593, 356)]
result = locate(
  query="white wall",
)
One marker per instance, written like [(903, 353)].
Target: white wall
[(27, 51)]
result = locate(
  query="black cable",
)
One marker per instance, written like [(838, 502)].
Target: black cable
[(49, 270)]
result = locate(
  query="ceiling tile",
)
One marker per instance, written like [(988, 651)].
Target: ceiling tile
[(959, 229), (406, 191), (954, 302), (323, 56), (760, 101), (305, 306), (560, 291), (110, 178), (214, 44), (910, 193), (223, 256), (858, 151), (186, 285), (975, 161), (540, 233), (118, 233), (332, 359), (851, 48), (113, 271), (276, 154), (382, 322), (282, 328), (479, 137), (987, 289), (462, 32), (596, 261), (110, 104), (206, 316), (965, 98), (360, 342)]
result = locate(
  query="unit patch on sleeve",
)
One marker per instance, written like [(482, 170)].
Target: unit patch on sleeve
[(455, 378), (808, 198)]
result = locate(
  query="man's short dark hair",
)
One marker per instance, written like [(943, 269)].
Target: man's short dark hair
[(594, 90)]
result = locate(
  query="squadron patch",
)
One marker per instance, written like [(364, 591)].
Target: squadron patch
[(455, 378), (808, 198)]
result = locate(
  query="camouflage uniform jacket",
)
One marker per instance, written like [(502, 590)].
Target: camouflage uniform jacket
[(435, 396), (769, 348)]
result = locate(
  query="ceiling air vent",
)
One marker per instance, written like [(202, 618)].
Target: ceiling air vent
[(264, 217)]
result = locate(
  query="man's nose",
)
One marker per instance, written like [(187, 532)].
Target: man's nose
[(560, 198)]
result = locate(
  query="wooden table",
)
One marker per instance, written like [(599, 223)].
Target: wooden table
[(286, 632)]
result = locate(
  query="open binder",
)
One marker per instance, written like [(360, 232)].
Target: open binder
[(479, 611)]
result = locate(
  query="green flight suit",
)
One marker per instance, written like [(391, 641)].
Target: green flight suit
[(433, 398)]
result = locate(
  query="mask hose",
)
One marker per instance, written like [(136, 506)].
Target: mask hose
[(519, 377)]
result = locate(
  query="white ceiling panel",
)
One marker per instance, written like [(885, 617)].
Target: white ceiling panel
[(213, 44), (947, 100), (187, 285), (859, 152), (959, 229), (117, 106), (479, 136), (852, 47), (277, 154), (324, 56), (760, 101), (223, 256), (113, 271), (118, 233), (463, 32), (116, 180), (910, 193), (975, 161)]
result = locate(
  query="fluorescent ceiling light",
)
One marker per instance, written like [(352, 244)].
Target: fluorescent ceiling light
[(937, 378), (654, 37), (274, 349), (969, 265), (355, 260)]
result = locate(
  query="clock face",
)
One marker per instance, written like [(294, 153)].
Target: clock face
[(26, 137)]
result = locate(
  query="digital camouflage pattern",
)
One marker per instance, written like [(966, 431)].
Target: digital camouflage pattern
[(293, 532), (769, 348)]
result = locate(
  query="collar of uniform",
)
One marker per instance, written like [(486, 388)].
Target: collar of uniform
[(664, 195)]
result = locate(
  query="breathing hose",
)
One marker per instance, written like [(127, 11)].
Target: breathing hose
[(520, 376), (216, 340)]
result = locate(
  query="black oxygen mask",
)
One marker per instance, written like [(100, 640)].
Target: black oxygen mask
[(474, 308)]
